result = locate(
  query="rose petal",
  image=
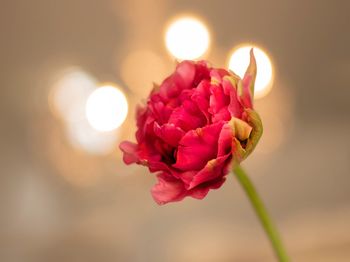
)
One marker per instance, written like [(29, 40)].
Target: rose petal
[(168, 189), (155, 166), (169, 133), (144, 123), (248, 82), (201, 191), (185, 176), (186, 70), (222, 115), (160, 111), (197, 147), (215, 168), (218, 74), (130, 152), (187, 116), (181, 79), (169, 88), (218, 99), (202, 72), (235, 108), (142, 153), (225, 140), (201, 97)]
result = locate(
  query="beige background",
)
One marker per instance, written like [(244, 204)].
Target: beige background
[(59, 203)]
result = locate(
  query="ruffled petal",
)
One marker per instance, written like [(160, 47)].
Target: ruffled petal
[(225, 140), (197, 147), (218, 103), (145, 121), (186, 70), (169, 133), (168, 189), (187, 116), (200, 192), (160, 111), (218, 74), (214, 169), (222, 115), (201, 96), (218, 99), (130, 152), (248, 83), (181, 79), (202, 72), (234, 107)]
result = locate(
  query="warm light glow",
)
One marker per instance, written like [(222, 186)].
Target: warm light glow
[(187, 38), (277, 115), (239, 61), (83, 136), (68, 100), (141, 68), (106, 108), (69, 93)]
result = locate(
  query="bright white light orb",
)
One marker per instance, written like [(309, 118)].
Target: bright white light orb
[(106, 108), (187, 38), (239, 62)]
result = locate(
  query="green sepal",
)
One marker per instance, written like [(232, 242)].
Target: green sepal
[(254, 121)]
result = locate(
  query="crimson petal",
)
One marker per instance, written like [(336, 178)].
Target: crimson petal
[(197, 147), (169, 133), (215, 168), (168, 189), (130, 152)]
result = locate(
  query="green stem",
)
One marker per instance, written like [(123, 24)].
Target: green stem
[(261, 212)]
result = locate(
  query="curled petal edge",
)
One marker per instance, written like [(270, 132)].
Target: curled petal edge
[(254, 121)]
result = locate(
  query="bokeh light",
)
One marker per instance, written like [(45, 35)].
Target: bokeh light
[(82, 136), (106, 108), (239, 60), (70, 90), (187, 38), (277, 114), (69, 101), (141, 68)]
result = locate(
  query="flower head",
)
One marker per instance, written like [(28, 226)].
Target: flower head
[(197, 123)]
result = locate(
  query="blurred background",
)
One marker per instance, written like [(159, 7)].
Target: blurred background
[(72, 73)]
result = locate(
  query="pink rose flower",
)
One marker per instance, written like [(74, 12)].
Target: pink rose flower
[(194, 125)]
